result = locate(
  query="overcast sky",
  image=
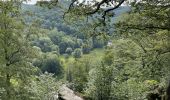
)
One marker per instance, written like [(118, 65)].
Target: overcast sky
[(34, 1), (31, 1)]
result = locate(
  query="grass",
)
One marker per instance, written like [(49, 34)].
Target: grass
[(96, 53), (95, 56)]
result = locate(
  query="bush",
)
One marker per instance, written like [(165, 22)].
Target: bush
[(86, 49), (49, 63), (77, 53), (69, 51), (66, 56), (44, 43), (98, 42)]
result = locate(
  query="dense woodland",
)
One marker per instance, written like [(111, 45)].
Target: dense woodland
[(100, 49)]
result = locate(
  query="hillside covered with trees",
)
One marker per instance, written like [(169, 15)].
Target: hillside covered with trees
[(85, 50)]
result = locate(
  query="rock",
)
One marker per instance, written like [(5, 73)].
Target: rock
[(67, 94)]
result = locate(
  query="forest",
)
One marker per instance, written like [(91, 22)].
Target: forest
[(85, 50)]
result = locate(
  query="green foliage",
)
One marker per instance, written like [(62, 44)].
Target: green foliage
[(134, 67), (77, 53), (130, 79), (49, 63), (44, 43), (55, 36), (16, 53), (43, 87), (87, 46), (150, 31), (69, 50), (98, 42), (132, 89), (100, 82), (77, 73), (67, 42), (79, 43)]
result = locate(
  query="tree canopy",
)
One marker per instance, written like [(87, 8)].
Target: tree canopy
[(95, 49)]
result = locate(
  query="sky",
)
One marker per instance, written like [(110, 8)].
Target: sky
[(34, 1), (31, 2)]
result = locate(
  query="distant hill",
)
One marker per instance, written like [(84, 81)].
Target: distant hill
[(52, 18)]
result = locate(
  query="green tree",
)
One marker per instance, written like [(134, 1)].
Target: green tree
[(77, 53), (87, 46), (122, 72), (49, 63), (150, 30), (55, 36), (148, 26), (43, 87), (15, 52), (79, 43), (100, 81), (77, 73), (67, 42), (69, 50), (98, 42), (44, 43)]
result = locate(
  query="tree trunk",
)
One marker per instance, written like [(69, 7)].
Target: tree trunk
[(168, 92), (8, 87)]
